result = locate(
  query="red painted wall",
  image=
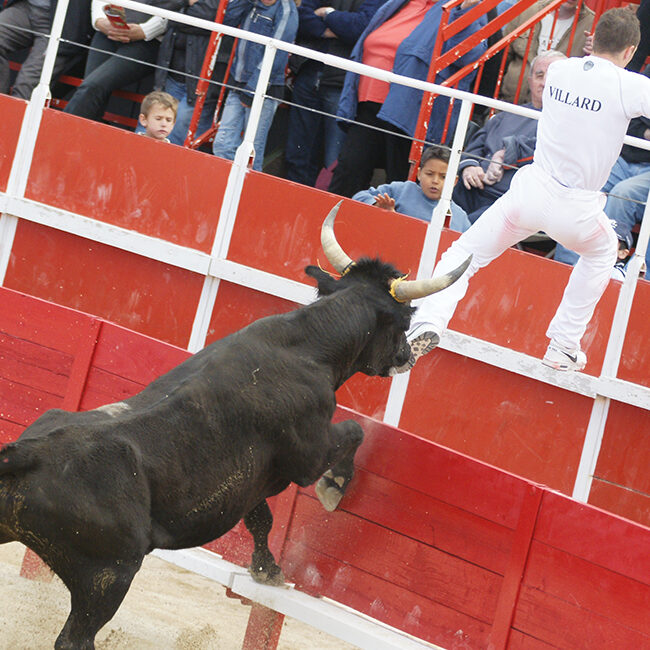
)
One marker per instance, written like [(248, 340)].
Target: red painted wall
[(523, 426), (454, 551)]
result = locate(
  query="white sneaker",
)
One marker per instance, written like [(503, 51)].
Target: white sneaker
[(422, 340), (561, 358)]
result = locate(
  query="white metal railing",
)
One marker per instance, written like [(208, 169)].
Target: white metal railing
[(215, 266)]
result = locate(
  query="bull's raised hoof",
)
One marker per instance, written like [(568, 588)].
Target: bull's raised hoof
[(264, 570), (330, 490)]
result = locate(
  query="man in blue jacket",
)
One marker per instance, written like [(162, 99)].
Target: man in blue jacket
[(365, 149)]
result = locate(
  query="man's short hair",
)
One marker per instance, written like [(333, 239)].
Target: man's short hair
[(159, 97), (549, 54), (434, 152), (616, 30)]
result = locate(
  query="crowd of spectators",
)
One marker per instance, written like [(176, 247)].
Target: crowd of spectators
[(342, 127)]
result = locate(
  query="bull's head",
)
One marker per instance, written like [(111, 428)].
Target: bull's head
[(401, 290), (380, 290)]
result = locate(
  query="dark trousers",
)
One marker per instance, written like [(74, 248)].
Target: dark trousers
[(365, 150), (106, 73), (474, 201), (313, 140)]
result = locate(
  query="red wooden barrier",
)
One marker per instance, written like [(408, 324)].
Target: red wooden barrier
[(444, 547), (532, 429)]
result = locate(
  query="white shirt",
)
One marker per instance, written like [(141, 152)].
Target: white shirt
[(587, 105), (545, 40)]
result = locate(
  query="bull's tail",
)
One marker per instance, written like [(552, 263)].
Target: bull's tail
[(15, 458)]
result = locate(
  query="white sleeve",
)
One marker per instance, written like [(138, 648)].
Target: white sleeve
[(97, 11), (636, 94), (154, 26)]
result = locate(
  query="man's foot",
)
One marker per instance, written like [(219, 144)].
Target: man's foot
[(422, 340), (561, 358)]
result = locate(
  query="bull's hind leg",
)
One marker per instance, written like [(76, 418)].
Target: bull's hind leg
[(96, 593), (332, 485), (263, 567)]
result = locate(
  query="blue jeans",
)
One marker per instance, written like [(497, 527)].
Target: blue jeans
[(626, 212), (310, 133), (233, 122), (105, 73), (185, 111)]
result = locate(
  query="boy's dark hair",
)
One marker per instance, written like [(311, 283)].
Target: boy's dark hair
[(434, 152), (617, 29), (158, 97)]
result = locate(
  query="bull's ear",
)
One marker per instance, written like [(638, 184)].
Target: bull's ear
[(326, 283)]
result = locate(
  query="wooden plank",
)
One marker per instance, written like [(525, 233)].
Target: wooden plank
[(621, 501), (87, 341), (407, 563), (599, 537), (134, 356), (429, 520), (511, 584), (520, 641), (566, 625), (583, 584), (9, 431), (105, 388), (23, 404), (451, 477), (27, 363), (317, 573), (624, 456), (39, 321)]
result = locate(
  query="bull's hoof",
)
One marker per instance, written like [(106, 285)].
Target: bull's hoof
[(329, 490), (267, 575)]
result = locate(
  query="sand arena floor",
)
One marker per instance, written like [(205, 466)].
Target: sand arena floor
[(167, 608)]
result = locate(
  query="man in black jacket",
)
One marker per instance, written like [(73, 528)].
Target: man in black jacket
[(331, 26), (27, 24)]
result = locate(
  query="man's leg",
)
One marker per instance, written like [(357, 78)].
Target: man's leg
[(266, 119), (303, 129), (361, 150), (105, 73), (15, 34), (333, 134), (591, 235), (233, 122)]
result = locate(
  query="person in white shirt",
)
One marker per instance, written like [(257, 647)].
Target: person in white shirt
[(588, 103)]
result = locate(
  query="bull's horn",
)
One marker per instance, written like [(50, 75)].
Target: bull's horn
[(412, 289), (336, 256)]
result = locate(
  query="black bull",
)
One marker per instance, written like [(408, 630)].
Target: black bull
[(180, 463)]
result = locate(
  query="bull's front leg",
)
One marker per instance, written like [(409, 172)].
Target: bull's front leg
[(332, 485), (263, 567)]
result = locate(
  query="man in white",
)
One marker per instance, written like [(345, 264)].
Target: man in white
[(587, 105)]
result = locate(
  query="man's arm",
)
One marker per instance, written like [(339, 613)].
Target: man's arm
[(349, 25)]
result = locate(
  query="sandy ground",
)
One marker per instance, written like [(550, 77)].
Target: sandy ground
[(167, 608)]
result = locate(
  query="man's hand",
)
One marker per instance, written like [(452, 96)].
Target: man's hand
[(589, 44), (321, 12), (385, 202), (494, 172), (473, 177), (469, 3)]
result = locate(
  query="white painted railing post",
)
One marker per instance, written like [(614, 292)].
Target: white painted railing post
[(22, 161), (399, 384)]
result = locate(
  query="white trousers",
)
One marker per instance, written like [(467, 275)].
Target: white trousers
[(535, 202)]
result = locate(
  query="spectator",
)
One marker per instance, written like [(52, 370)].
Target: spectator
[(277, 19), (180, 60), (400, 37), (118, 56), (158, 115), (476, 192), (542, 41), (643, 51), (580, 133), (418, 199), (27, 24), (314, 140)]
